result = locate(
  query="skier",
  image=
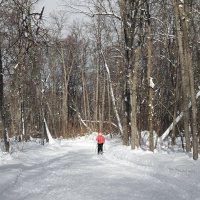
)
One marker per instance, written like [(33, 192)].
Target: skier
[(100, 141)]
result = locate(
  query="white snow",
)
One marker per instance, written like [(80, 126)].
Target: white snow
[(198, 94), (72, 170), (151, 83), (15, 67), (51, 140)]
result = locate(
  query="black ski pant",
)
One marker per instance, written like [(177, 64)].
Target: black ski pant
[(100, 148)]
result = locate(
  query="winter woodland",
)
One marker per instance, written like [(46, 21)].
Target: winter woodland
[(132, 66), (127, 68)]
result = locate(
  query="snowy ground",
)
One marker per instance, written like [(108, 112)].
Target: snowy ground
[(71, 170)]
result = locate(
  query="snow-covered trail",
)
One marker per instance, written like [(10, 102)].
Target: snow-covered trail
[(73, 171)]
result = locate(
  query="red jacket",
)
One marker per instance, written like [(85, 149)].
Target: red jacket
[(100, 139)]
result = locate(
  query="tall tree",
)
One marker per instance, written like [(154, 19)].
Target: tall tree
[(150, 101), (129, 13), (2, 114), (181, 16)]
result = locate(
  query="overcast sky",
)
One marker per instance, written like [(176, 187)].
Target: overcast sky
[(53, 6), (50, 6)]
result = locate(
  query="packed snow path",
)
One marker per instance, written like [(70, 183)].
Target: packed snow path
[(73, 171)]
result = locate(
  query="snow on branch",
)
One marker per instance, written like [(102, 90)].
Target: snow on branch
[(105, 122), (51, 140), (151, 83), (80, 119), (107, 14)]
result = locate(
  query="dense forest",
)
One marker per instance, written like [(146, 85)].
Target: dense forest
[(133, 65)]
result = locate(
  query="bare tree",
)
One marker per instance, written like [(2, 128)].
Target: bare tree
[(182, 11)]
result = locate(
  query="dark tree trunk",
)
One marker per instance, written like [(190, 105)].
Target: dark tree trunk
[(2, 119)]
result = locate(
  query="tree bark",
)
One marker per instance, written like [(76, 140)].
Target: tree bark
[(129, 12), (150, 81), (134, 75), (184, 13), (2, 119), (184, 74)]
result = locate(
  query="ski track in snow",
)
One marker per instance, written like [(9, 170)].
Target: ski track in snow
[(73, 171)]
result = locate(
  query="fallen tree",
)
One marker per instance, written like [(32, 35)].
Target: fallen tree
[(178, 118)]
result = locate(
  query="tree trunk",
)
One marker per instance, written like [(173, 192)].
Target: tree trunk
[(133, 96), (103, 100), (113, 97), (96, 96), (129, 12), (150, 82), (65, 96), (184, 75), (184, 13), (85, 100), (2, 119)]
